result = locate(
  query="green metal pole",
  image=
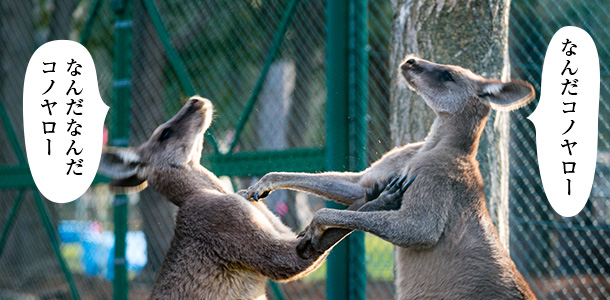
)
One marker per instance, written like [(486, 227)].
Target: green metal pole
[(121, 110), (337, 133), (346, 131), (277, 292), (9, 220), (337, 85), (93, 13), (12, 135), (357, 80)]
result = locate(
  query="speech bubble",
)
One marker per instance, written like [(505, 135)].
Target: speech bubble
[(63, 119), (566, 120)]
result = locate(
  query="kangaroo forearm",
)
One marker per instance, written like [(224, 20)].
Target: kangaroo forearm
[(341, 192), (338, 187), (290, 266), (332, 236), (304, 270), (392, 226)]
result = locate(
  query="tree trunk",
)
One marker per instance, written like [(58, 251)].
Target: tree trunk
[(276, 97), (472, 34), (306, 45)]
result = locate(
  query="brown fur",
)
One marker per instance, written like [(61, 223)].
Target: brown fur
[(224, 247), (448, 247)]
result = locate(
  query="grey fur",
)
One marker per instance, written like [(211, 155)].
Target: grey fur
[(448, 247), (224, 246)]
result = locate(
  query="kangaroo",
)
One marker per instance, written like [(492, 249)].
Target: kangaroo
[(224, 246), (448, 247)]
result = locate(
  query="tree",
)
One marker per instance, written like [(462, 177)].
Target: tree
[(474, 35)]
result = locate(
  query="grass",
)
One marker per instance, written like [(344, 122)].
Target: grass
[(379, 261)]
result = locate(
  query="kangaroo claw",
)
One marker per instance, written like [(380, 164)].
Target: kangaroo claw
[(402, 179), (374, 191), (393, 181), (405, 186), (304, 249)]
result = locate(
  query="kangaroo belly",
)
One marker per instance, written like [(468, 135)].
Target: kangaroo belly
[(211, 283), (452, 272), (191, 271)]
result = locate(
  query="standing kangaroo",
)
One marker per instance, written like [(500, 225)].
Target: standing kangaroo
[(448, 247), (224, 246)]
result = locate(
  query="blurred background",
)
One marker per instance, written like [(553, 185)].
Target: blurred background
[(263, 65)]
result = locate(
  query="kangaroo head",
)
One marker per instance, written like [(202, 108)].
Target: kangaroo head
[(450, 89), (173, 145)]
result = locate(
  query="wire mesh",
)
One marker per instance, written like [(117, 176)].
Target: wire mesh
[(224, 46), (561, 258), (379, 254)]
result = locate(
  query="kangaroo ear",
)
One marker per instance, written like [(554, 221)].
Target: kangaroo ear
[(119, 163), (122, 165), (506, 96), (127, 185)]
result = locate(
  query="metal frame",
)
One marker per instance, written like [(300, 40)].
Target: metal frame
[(28, 183), (119, 133), (346, 69)]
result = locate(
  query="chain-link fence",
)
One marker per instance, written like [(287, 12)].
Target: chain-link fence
[(221, 50), (561, 258)]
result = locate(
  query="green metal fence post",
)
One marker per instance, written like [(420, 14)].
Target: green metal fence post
[(357, 80), (121, 100), (10, 219), (336, 132), (346, 131), (11, 135)]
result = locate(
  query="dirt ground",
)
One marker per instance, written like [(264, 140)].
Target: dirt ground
[(574, 287)]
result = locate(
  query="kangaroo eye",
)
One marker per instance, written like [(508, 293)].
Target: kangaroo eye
[(165, 134), (447, 76)]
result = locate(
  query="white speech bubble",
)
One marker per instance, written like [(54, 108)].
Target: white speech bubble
[(63, 117), (568, 114)]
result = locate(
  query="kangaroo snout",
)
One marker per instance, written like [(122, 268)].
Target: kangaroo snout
[(200, 105), (198, 102), (195, 102), (408, 64), (409, 67), (195, 112), (412, 64)]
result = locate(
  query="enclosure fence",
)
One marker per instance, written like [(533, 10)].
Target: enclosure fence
[(561, 258), (286, 98)]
